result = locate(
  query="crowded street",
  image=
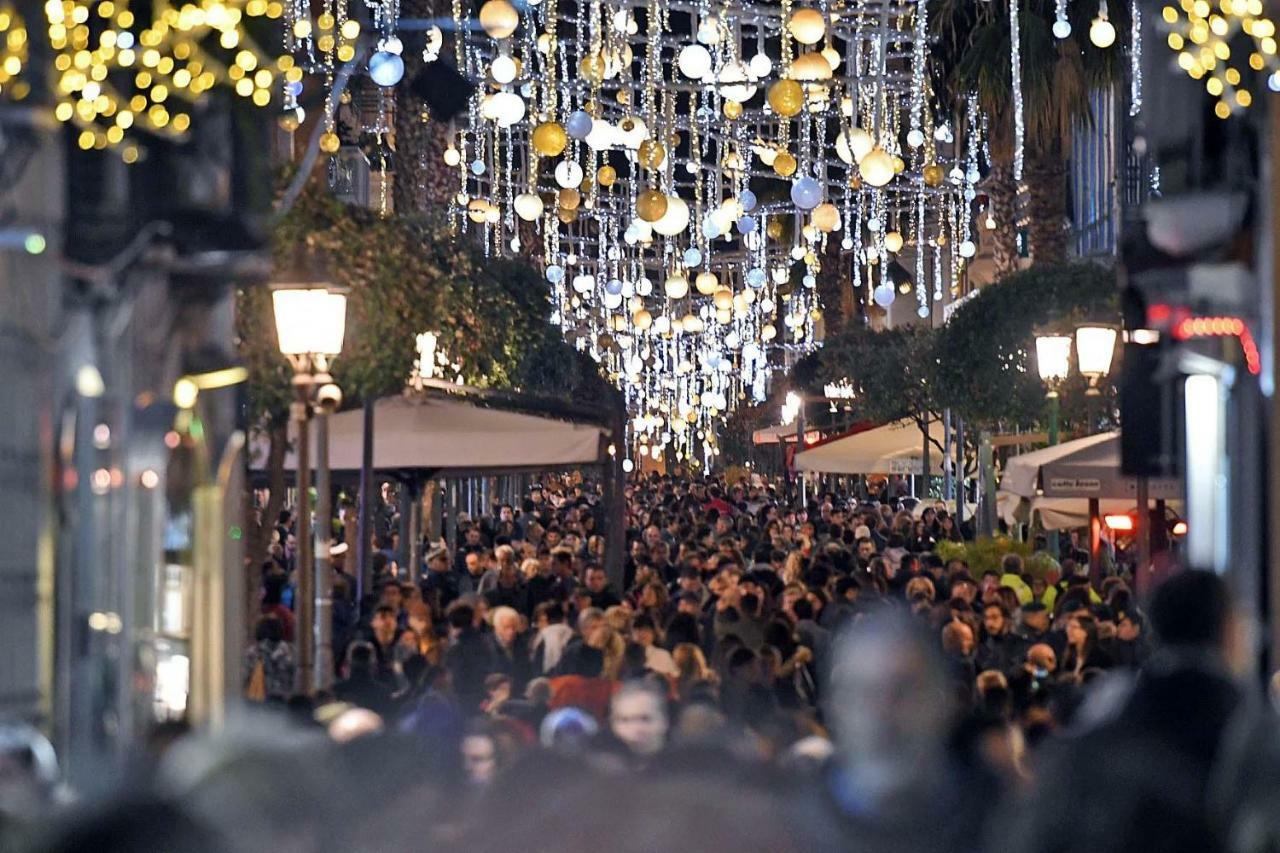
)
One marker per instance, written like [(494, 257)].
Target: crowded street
[(639, 425)]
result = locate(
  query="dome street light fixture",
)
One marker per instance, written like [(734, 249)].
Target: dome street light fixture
[(1053, 360), (1095, 349)]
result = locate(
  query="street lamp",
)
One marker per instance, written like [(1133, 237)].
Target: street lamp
[(1053, 360), (311, 320), (1095, 347)]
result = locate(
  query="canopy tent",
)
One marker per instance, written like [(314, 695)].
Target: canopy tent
[(896, 448), (451, 435), (1059, 481), (1085, 468), (781, 433)]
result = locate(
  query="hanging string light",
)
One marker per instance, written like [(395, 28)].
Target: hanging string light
[(1015, 62), (1135, 58)]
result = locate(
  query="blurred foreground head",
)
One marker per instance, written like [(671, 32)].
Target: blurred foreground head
[(890, 707)]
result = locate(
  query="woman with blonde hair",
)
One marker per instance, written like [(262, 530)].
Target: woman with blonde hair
[(529, 568), (793, 568), (692, 671)]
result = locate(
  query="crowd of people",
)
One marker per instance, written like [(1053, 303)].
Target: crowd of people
[(759, 674)]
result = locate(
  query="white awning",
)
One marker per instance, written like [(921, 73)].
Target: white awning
[(782, 433), (1063, 513), (1088, 467), (450, 434), (896, 448)]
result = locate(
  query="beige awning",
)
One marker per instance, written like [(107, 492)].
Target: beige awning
[(451, 434)]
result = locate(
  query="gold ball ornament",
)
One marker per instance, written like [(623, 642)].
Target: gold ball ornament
[(329, 142), (784, 164), (732, 110), (786, 98), (593, 68), (499, 19), (774, 229), (570, 199), (650, 205), (606, 176), (651, 154), (549, 139), (826, 217), (567, 215), (933, 175)]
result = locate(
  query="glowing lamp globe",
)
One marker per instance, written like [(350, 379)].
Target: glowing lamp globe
[(723, 299), (807, 26), (651, 205), (748, 201), (760, 65), (706, 283), (674, 219), (768, 332), (877, 168), (528, 206), (884, 295), (386, 68), (694, 61), (676, 286), (915, 138), (549, 139), (786, 98), (893, 241), (499, 19), (642, 320), (1053, 357), (309, 320), (806, 193), (1061, 28), (1095, 348)]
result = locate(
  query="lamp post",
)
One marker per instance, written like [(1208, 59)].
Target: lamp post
[(1053, 360), (310, 319)]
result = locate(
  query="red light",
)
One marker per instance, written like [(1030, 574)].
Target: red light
[(1120, 522), (1179, 528)]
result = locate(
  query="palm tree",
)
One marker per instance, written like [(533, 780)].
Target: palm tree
[(972, 55)]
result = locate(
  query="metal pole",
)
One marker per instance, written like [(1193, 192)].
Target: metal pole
[(323, 676), (1142, 536), (959, 483), (946, 453), (364, 560), (924, 461), (304, 598), (1095, 539), (1051, 538)]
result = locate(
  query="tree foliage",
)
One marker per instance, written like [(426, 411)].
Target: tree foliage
[(890, 371), (984, 359), (406, 275)]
